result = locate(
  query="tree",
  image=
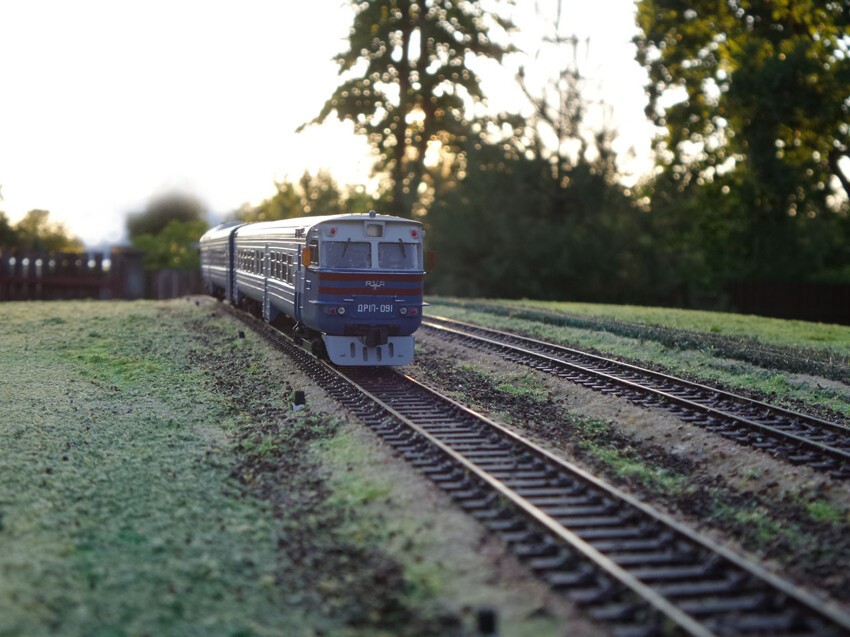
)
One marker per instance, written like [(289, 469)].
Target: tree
[(754, 97), (174, 247), (167, 231), (539, 211), (312, 195), (561, 105), (407, 83), (163, 209), (762, 87), (8, 236), (510, 229), (284, 204), (35, 232)]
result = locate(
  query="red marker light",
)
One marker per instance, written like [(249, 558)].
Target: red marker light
[(414, 233)]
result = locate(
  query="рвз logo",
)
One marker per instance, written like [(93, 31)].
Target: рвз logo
[(375, 284)]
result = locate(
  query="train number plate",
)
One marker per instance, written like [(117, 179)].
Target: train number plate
[(373, 308)]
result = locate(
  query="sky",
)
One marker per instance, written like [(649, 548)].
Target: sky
[(105, 104)]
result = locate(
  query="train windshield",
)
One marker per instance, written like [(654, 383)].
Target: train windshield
[(398, 256), (347, 254)]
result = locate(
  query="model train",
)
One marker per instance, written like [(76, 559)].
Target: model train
[(350, 285)]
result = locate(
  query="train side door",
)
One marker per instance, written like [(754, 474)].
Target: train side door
[(300, 271), (266, 270), (308, 278), (230, 284)]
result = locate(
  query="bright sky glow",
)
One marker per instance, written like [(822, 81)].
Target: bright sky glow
[(106, 104)]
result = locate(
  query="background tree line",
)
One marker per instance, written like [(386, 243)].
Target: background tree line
[(35, 232), (752, 175)]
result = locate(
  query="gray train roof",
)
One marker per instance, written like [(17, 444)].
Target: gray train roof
[(307, 223), (221, 230)]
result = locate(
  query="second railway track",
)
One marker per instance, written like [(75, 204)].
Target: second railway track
[(633, 568), (795, 437)]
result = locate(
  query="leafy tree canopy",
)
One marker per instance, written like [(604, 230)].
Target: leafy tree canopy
[(37, 233), (313, 195), (762, 86), (167, 231), (174, 247), (512, 228), (407, 82), (8, 236), (161, 210)]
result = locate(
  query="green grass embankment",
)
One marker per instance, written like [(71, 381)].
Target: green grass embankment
[(115, 515), (797, 363)]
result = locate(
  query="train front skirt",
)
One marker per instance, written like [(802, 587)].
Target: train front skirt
[(353, 350)]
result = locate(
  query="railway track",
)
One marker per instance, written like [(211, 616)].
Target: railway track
[(794, 437), (633, 568), (797, 360)]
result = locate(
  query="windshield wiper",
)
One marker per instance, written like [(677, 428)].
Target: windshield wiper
[(401, 243), (345, 249)]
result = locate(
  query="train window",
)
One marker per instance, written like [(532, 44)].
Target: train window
[(314, 251), (398, 256), (347, 254)]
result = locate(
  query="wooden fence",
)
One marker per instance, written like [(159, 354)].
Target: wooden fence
[(117, 275)]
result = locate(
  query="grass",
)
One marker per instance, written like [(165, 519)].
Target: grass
[(779, 332), (630, 467), (688, 356), (763, 531), (523, 385), (116, 515), (821, 511)]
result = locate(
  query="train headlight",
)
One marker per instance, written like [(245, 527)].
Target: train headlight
[(340, 310), (403, 311)]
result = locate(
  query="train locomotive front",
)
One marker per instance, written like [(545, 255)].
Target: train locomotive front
[(363, 287), (349, 284)]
